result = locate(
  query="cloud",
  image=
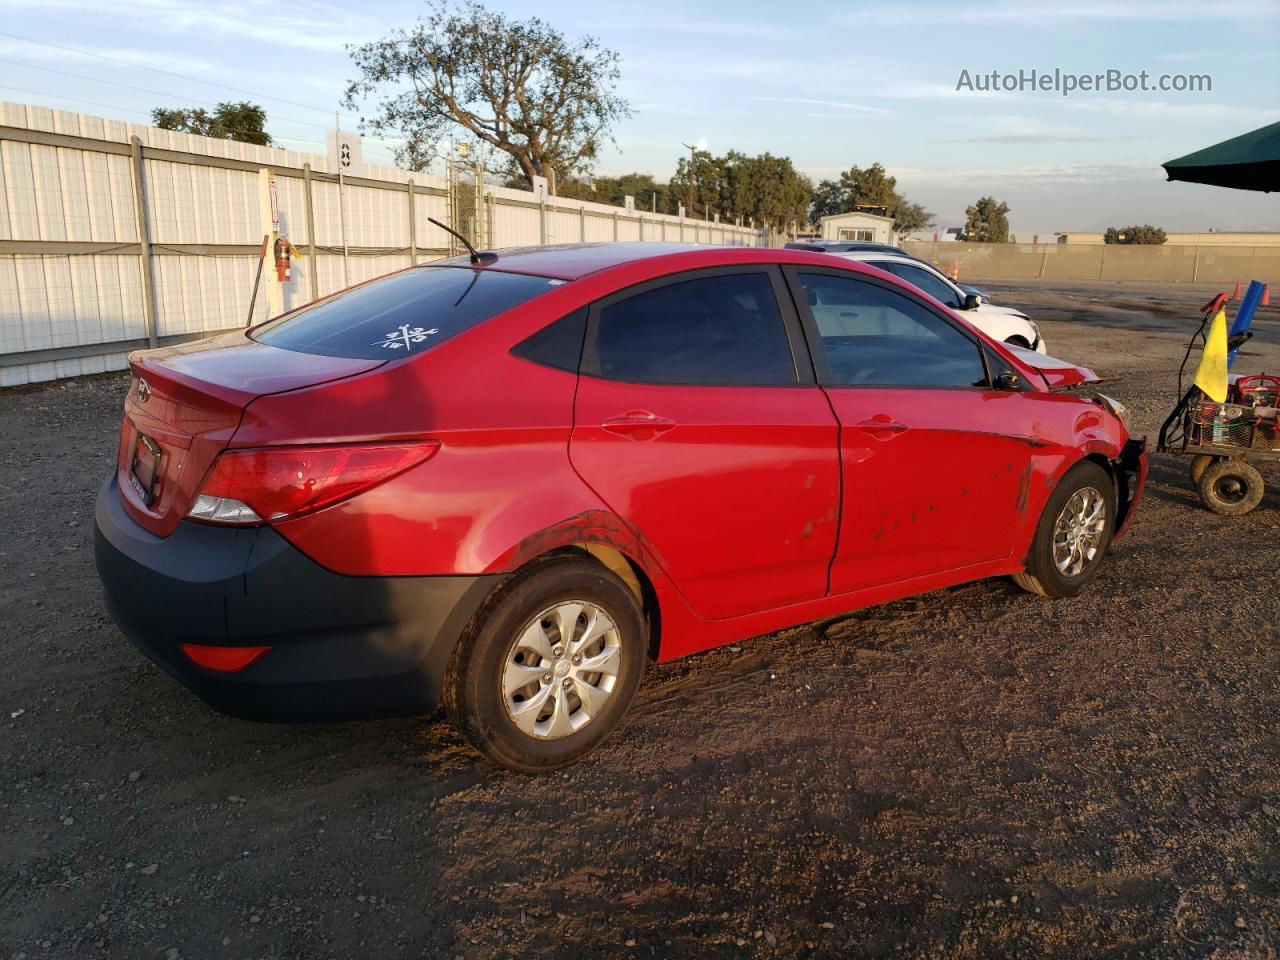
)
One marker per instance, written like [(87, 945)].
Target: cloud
[(1173, 111), (682, 24), (320, 28), (1016, 129), (1025, 138), (1007, 13), (1024, 175), (838, 104), (106, 55)]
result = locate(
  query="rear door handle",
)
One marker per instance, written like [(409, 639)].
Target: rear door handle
[(638, 425), (882, 427)]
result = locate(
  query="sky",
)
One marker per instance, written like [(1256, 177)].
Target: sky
[(829, 84)]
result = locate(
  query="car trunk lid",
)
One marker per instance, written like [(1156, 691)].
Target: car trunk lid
[(184, 405)]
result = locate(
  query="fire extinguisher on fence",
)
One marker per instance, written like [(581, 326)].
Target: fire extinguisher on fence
[(283, 248)]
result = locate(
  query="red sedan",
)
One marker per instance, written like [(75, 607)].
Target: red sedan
[(504, 485)]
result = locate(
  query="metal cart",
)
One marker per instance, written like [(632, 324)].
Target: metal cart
[(1225, 440)]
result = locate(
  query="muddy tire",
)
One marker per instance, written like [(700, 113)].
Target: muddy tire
[(550, 666), (1231, 487), (1199, 464), (1073, 533)]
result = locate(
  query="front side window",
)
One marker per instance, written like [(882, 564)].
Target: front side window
[(718, 330), (922, 279), (873, 336), (403, 314)]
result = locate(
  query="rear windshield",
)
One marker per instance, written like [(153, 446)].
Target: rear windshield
[(403, 314)]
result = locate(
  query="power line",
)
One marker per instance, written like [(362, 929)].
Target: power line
[(181, 76), (80, 76), (154, 93), (141, 113)]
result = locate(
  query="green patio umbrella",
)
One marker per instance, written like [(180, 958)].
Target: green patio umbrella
[(1250, 161)]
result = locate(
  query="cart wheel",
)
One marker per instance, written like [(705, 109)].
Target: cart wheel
[(1199, 464), (1231, 487)]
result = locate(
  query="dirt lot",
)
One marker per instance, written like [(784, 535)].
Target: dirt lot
[(973, 773)]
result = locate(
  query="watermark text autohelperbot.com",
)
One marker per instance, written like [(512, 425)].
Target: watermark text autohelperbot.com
[(1066, 83)]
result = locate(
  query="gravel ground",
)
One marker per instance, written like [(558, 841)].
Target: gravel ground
[(972, 773)]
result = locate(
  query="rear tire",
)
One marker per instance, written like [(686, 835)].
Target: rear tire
[(1073, 533), (1231, 488), (1199, 464), (1016, 341), (521, 687)]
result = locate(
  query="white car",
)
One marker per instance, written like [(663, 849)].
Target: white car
[(1001, 323)]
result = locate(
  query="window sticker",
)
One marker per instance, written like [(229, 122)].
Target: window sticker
[(405, 336)]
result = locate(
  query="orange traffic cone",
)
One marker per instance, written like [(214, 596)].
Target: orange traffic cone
[(955, 271), (1266, 296), (1236, 295)]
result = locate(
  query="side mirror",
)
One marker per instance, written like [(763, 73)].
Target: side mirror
[(971, 301), (1007, 381)]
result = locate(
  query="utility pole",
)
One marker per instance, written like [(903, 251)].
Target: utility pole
[(693, 166), (342, 206)]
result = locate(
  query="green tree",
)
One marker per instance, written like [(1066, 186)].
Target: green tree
[(520, 86), (872, 190), (987, 221), (648, 193), (1135, 234), (710, 185), (241, 121), (767, 190)]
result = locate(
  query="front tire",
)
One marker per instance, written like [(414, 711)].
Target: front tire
[(550, 666), (1073, 533)]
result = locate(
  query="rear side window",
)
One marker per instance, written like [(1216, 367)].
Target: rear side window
[(718, 330), (922, 279), (878, 337), (558, 345), (403, 314)]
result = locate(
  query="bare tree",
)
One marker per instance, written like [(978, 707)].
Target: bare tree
[(519, 86)]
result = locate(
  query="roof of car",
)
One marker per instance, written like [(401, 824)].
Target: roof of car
[(842, 246), (571, 261)]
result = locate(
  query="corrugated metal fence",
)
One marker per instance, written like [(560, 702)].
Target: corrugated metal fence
[(115, 236)]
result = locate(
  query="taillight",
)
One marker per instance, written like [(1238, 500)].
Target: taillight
[(251, 487)]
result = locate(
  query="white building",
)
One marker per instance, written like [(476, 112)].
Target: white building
[(858, 226)]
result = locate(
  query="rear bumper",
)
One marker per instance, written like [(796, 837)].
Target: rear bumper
[(1131, 480), (341, 647)]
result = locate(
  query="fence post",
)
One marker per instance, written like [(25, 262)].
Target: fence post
[(144, 243), (413, 227), (582, 224), (542, 223), (490, 221), (311, 234), (615, 226)]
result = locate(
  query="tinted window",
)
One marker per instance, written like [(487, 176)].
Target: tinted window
[(558, 345), (878, 337), (922, 279), (717, 330), (403, 314)]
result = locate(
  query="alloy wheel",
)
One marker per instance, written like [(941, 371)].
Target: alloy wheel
[(1079, 530)]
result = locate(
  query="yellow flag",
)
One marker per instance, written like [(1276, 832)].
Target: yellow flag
[(1211, 377)]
